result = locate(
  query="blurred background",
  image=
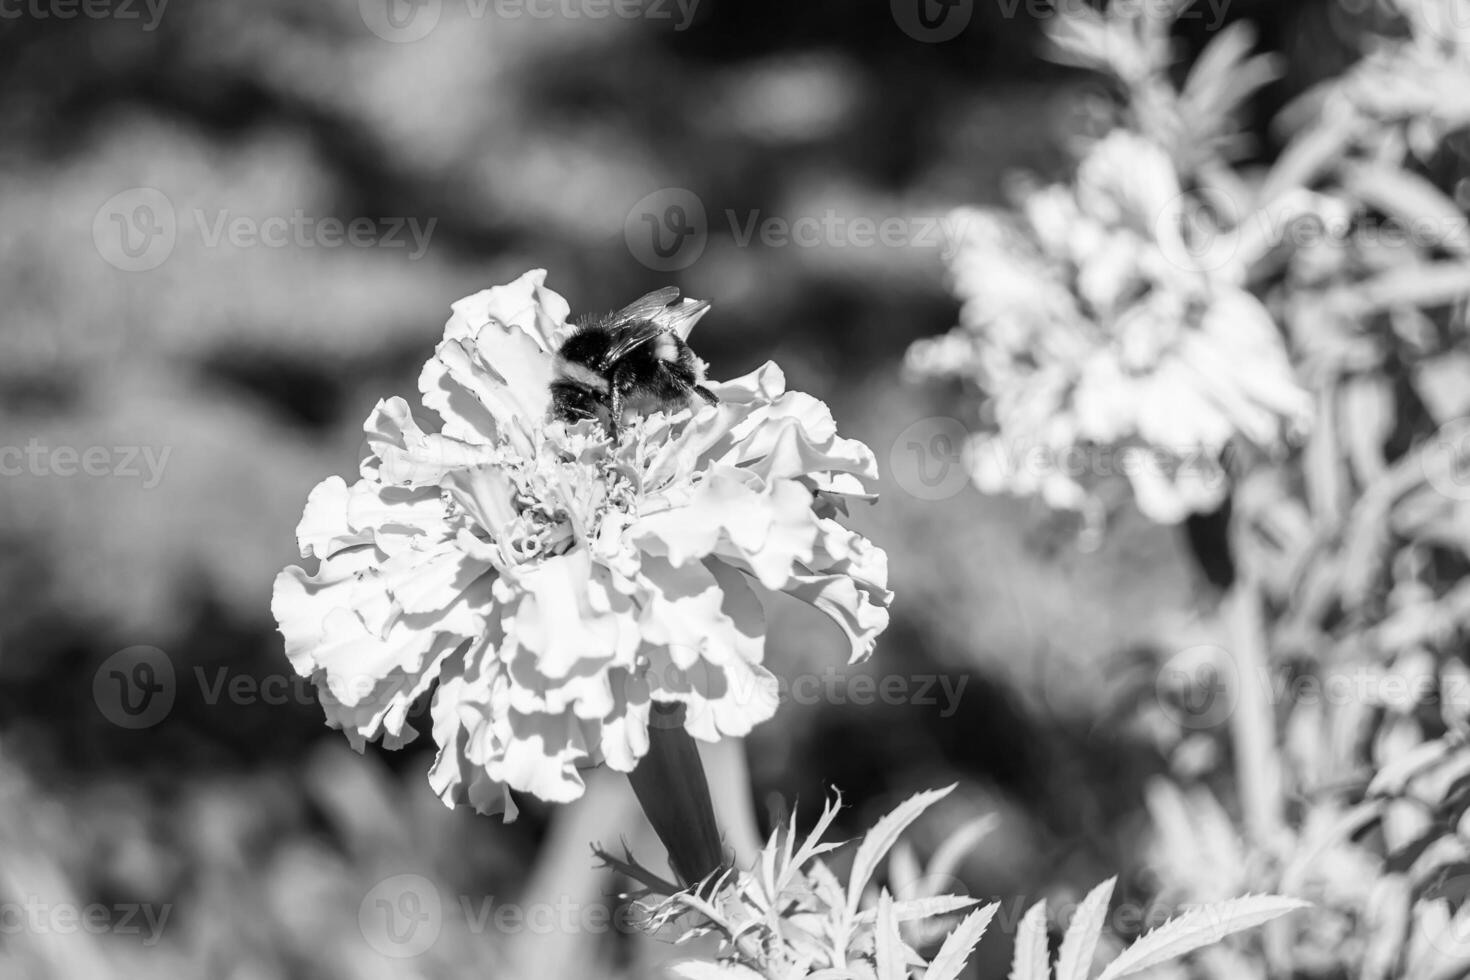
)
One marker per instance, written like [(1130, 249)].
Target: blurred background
[(227, 229)]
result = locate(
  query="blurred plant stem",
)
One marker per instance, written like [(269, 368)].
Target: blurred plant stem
[(562, 871), (672, 789), (1253, 722), (729, 784)]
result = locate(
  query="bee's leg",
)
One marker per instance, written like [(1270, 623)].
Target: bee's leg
[(615, 398), (706, 394)]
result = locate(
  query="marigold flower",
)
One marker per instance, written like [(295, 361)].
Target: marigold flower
[(1104, 350), (552, 585)]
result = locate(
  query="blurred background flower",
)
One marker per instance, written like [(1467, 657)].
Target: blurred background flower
[(1105, 351)]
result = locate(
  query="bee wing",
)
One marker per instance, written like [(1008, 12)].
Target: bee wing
[(665, 308), (630, 337), (644, 307)]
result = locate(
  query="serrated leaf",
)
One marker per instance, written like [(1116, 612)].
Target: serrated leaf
[(880, 840), (813, 845), (1080, 943), (826, 886), (914, 909), (1197, 928), (888, 944), (1031, 960), (958, 945)]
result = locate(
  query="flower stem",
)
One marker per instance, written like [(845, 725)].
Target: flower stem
[(1253, 723), (671, 787)]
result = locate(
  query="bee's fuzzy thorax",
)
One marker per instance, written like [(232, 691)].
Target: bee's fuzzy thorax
[(572, 371)]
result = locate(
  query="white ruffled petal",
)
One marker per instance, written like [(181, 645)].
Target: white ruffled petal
[(492, 372), (302, 602), (568, 613), (403, 454), (848, 580), (324, 527), (771, 529), (711, 659), (525, 304)]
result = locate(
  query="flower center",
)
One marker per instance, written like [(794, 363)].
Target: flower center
[(533, 507)]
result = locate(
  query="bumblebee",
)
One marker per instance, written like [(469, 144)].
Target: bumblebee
[(634, 360)]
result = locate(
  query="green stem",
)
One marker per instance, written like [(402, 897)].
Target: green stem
[(1253, 723), (671, 787)]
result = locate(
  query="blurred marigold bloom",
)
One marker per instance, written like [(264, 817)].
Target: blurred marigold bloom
[(1104, 346), (555, 585)]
